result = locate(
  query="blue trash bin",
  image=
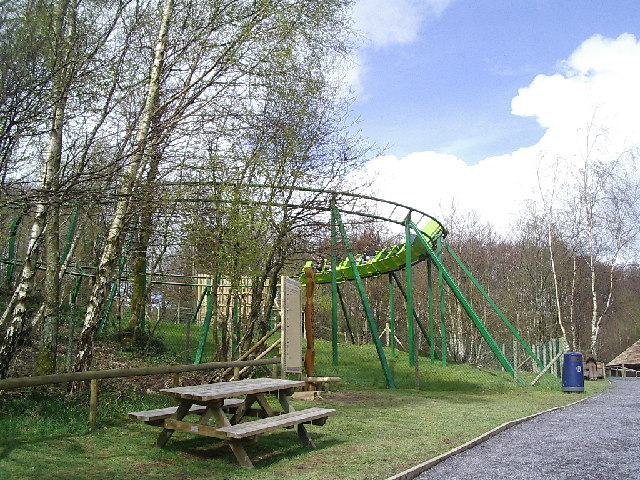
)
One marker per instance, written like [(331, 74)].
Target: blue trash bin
[(572, 374)]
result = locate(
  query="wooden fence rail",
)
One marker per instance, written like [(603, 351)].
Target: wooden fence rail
[(95, 375), (622, 371), (20, 382)]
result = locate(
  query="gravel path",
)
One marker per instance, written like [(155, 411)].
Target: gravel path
[(597, 439)]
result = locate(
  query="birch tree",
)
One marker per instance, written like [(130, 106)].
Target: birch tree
[(591, 220), (608, 196), (66, 55), (136, 164), (220, 103), (23, 81)]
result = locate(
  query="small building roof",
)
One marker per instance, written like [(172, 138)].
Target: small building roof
[(631, 356)]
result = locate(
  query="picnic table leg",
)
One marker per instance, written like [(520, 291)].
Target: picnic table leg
[(302, 432), (264, 403), (236, 445), (241, 454), (214, 409), (242, 409), (166, 433)]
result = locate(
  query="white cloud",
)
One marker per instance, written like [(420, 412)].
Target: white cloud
[(432, 182), (595, 91), (382, 23), (385, 22)]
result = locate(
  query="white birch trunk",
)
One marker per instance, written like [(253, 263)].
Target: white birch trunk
[(575, 341), (555, 281), (47, 351), (13, 319), (594, 295), (91, 321)]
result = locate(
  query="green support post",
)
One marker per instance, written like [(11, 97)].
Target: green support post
[(334, 289), (346, 316), (431, 323), (495, 307), (72, 321), (392, 318), (116, 284), (11, 264), (443, 330), (207, 321), (71, 231), (365, 304), (465, 304), (409, 273)]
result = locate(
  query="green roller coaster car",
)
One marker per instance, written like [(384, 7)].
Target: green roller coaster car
[(382, 261)]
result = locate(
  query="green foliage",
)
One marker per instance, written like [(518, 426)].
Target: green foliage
[(45, 432)]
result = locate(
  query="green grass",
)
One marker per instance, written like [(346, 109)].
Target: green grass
[(375, 433)]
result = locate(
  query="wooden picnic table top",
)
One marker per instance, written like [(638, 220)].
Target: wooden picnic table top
[(222, 390)]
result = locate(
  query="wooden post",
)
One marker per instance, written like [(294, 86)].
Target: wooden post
[(175, 382), (236, 373), (93, 404), (544, 370), (387, 337), (310, 354)]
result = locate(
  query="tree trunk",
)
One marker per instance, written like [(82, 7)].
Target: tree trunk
[(556, 284), (47, 351), (310, 354), (12, 322), (140, 288), (117, 229), (47, 213)]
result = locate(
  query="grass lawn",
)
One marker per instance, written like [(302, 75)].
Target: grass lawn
[(375, 432)]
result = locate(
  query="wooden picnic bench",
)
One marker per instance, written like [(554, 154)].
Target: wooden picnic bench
[(157, 416), (216, 401)]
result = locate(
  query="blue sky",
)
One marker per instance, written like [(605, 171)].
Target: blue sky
[(449, 88), (485, 101)]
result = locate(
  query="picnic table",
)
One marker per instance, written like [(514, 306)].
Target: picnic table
[(221, 412)]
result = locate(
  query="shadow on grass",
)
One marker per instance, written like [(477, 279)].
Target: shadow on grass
[(269, 450), (9, 445)]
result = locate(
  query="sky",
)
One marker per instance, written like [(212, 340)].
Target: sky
[(471, 100)]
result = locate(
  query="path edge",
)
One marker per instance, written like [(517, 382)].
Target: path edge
[(413, 472)]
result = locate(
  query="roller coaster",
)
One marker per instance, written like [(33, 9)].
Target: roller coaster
[(421, 244), (426, 244)]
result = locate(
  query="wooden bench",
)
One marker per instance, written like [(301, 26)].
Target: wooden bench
[(155, 417), (317, 416), (314, 382)]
